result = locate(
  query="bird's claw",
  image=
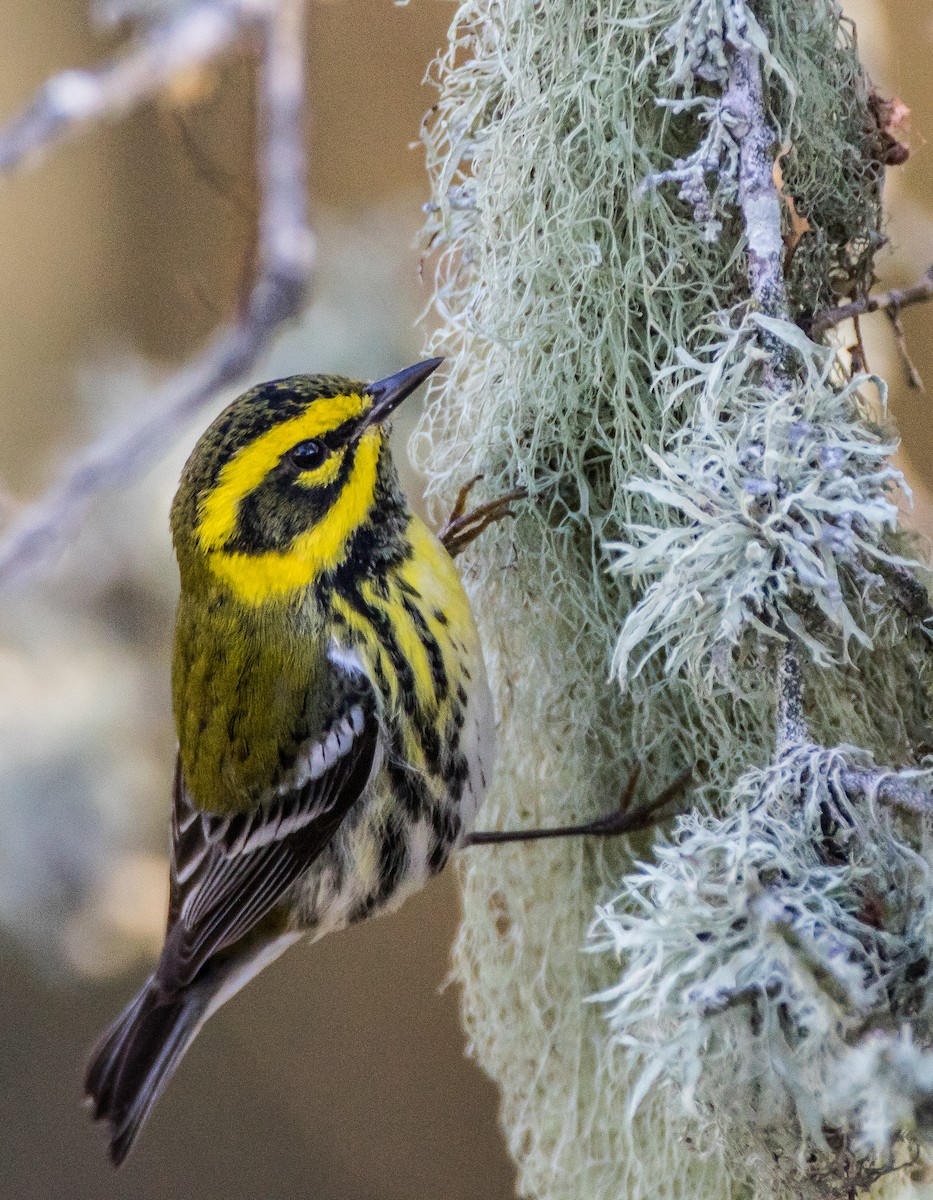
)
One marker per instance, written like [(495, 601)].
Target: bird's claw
[(463, 527)]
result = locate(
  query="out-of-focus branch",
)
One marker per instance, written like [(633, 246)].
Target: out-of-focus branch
[(889, 302), (69, 102), (286, 247)]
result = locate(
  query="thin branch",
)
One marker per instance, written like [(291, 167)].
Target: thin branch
[(887, 787), (621, 820), (286, 251), (858, 354), (890, 302), (759, 198), (286, 245), (73, 100), (912, 376), (792, 727)]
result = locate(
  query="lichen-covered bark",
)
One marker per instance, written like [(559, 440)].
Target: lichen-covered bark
[(618, 306)]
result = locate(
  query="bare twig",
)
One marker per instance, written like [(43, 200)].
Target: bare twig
[(858, 353), (619, 821), (912, 376), (889, 302), (285, 242)]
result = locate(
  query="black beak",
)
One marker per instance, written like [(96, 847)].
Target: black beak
[(389, 393)]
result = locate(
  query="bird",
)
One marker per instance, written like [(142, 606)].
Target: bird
[(334, 721)]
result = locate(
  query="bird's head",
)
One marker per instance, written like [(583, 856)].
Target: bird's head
[(279, 483)]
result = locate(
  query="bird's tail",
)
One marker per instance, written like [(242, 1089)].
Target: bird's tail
[(135, 1058)]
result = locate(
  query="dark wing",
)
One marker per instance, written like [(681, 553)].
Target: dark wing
[(227, 873)]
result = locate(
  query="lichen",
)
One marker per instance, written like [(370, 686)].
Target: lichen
[(777, 504), (770, 957), (704, 483)]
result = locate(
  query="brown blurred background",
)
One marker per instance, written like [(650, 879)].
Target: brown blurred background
[(340, 1073)]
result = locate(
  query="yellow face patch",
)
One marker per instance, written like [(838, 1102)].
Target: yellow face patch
[(277, 574), (244, 473)]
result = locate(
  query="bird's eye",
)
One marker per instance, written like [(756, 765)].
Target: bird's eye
[(308, 455)]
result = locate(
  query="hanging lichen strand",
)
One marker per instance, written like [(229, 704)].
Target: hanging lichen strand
[(707, 571)]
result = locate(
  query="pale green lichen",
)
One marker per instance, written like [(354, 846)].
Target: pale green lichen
[(768, 953), (604, 356), (776, 505)]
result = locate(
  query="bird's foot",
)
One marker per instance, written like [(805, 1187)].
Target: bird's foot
[(621, 820), (463, 527)]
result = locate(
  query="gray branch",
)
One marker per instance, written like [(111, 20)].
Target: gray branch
[(744, 110), (890, 302), (71, 101), (74, 100), (792, 728), (890, 788)]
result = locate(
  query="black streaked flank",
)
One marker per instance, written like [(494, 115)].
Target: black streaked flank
[(446, 828), (393, 858), (409, 789), (440, 852), (431, 649), (431, 745), (421, 721), (380, 621), (452, 733), (379, 670), (458, 771)]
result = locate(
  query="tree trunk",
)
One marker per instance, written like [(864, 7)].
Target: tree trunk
[(640, 208)]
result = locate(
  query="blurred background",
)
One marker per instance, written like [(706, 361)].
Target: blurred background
[(340, 1072)]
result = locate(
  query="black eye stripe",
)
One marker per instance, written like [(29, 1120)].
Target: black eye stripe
[(280, 508), (342, 434), (334, 439)]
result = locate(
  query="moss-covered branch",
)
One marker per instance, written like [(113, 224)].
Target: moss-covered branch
[(620, 313)]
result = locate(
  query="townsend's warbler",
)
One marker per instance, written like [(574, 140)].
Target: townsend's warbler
[(334, 723)]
